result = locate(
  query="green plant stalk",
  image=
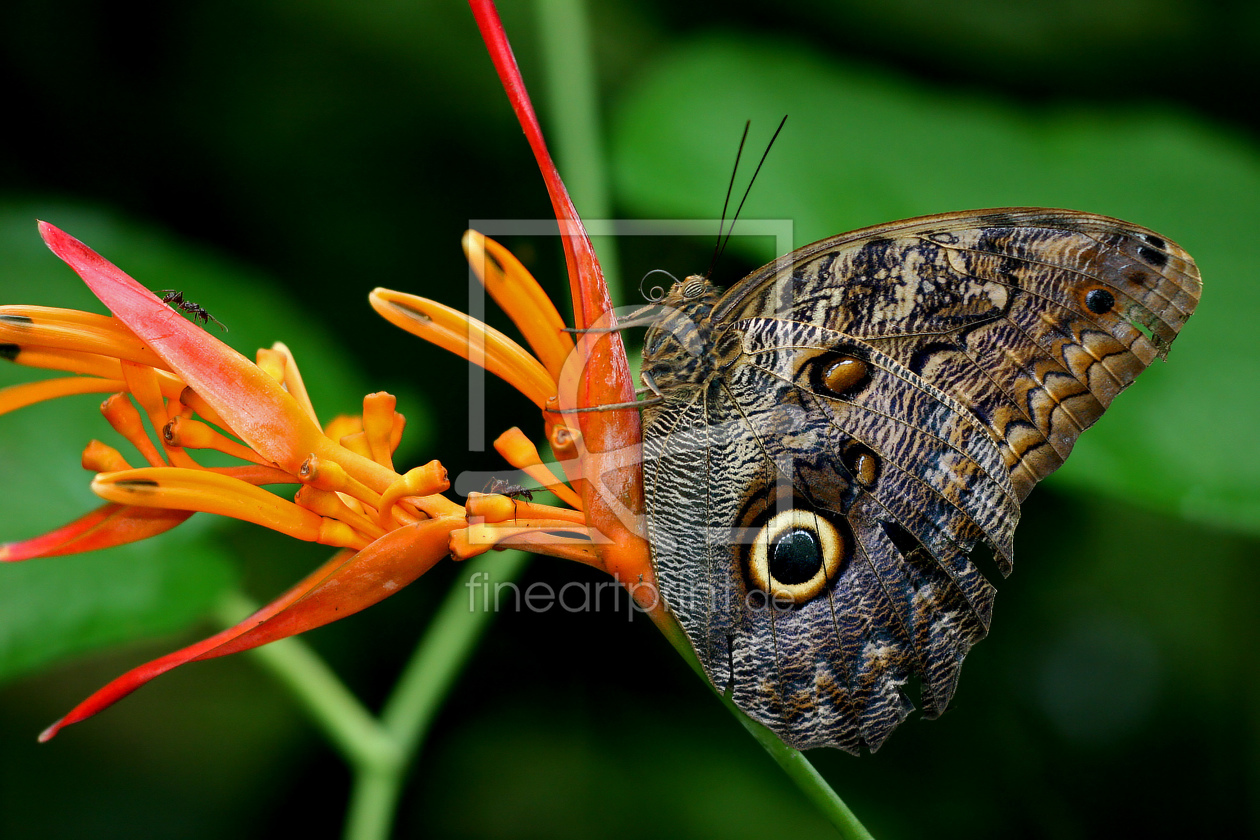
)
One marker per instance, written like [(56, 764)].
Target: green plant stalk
[(573, 124), (380, 749), (351, 728), (428, 677), (792, 761)]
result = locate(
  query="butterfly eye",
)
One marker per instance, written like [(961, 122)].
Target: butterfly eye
[(796, 553), (693, 289), (1099, 301)]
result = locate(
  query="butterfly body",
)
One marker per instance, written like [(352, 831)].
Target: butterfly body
[(841, 429)]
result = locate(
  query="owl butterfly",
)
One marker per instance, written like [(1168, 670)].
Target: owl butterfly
[(842, 428)]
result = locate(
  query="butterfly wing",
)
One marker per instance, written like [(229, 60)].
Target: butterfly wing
[(901, 389), (1035, 319)]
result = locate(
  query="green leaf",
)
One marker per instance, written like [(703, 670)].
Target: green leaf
[(55, 607), (863, 147)]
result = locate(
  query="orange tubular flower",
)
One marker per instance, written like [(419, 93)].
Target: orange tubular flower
[(390, 527)]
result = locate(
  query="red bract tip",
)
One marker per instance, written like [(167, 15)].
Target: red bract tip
[(104, 527), (346, 584), (610, 437)]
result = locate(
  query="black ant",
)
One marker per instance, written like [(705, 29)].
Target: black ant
[(175, 299)]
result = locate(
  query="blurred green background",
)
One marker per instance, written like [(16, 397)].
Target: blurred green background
[(276, 160)]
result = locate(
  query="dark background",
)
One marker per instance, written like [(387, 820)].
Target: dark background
[(276, 160)]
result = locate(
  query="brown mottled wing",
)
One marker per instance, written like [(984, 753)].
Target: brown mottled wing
[(994, 308), (991, 340), (827, 672)]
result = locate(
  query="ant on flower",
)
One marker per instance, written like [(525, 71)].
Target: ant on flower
[(175, 299), (512, 491)]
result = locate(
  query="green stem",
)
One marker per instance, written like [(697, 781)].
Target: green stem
[(380, 750), (373, 801), (799, 769), (572, 109), (350, 727), (792, 761), (412, 706)]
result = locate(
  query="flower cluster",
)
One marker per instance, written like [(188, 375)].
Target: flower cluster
[(199, 394)]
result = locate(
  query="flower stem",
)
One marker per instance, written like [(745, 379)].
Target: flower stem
[(380, 749), (427, 678), (792, 761), (338, 713), (572, 110), (799, 769)]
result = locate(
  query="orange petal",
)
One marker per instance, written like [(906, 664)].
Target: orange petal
[(493, 507), (186, 432), (256, 474), (105, 527), (20, 396), (293, 380), (519, 451), (184, 489), (464, 336), (330, 505), (378, 426), (123, 418), (94, 364), (70, 329), (427, 480), (560, 539), (518, 294), (329, 475), (142, 382), (342, 425), (251, 403), (100, 457)]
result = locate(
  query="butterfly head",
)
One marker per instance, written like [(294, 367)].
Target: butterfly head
[(678, 346)]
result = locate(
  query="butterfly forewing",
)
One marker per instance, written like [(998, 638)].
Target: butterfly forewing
[(895, 392), (1034, 319)]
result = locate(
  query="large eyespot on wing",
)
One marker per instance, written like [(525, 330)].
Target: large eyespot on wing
[(795, 555), (814, 657)]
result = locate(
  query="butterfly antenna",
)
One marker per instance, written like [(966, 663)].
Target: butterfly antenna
[(718, 253), (717, 246)]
